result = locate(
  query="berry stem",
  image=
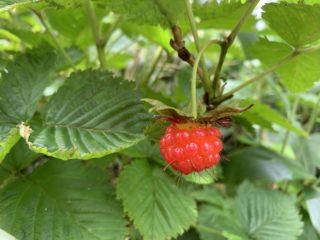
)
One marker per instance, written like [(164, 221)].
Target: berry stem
[(194, 78), (206, 79)]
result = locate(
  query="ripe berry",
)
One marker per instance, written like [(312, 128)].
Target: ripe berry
[(191, 147)]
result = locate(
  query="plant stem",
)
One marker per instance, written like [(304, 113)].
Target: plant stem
[(96, 33), (291, 116), (208, 229), (54, 39), (206, 79), (256, 78), (154, 64), (194, 78), (314, 115), (227, 43), (113, 26)]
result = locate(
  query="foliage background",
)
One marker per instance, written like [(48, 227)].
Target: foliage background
[(65, 95)]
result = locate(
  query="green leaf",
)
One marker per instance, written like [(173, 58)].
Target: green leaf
[(215, 222), (267, 214), (9, 136), (313, 206), (154, 34), (68, 22), (305, 150), (297, 24), (165, 13), (265, 116), (91, 116), (20, 157), (256, 164), (262, 165), (61, 200), (299, 74), (223, 14), (309, 233), (158, 208), (22, 83)]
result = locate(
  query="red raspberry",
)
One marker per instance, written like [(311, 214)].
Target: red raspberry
[(191, 147)]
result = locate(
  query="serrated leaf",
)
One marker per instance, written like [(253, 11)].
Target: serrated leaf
[(223, 14), (61, 200), (165, 13), (267, 214), (158, 208), (299, 74), (261, 113), (91, 116), (297, 24), (22, 84)]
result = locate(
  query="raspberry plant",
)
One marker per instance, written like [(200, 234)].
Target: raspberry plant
[(159, 119)]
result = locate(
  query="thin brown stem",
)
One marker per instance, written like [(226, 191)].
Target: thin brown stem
[(226, 45), (256, 78)]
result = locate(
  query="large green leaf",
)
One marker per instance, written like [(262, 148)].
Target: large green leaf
[(223, 14), (297, 24), (262, 165), (91, 116), (256, 164), (158, 208), (21, 86), (23, 82), (61, 200), (265, 116), (267, 214), (165, 13), (299, 74)]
